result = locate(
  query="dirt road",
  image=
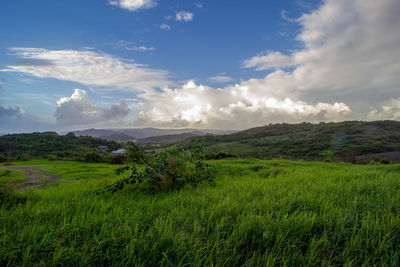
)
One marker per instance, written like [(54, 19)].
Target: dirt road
[(36, 177)]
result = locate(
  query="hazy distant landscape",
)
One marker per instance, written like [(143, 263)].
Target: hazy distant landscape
[(199, 133)]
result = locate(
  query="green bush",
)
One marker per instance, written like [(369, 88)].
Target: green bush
[(92, 157), (116, 158), (220, 155), (164, 170), (3, 158)]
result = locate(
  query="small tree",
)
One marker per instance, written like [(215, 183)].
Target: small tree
[(170, 168), (329, 155)]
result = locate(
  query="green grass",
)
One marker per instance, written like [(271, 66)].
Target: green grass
[(72, 170), (11, 176), (260, 213)]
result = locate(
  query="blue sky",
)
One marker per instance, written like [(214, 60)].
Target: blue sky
[(203, 64)]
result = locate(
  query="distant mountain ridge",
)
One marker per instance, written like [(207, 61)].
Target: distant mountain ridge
[(133, 134)]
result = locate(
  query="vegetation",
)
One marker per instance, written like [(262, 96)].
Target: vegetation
[(53, 146), (260, 213), (332, 141), (8, 176), (167, 169)]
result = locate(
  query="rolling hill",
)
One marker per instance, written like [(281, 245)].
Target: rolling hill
[(133, 134), (344, 140), (39, 145)]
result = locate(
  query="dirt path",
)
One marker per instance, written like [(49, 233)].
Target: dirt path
[(36, 177)]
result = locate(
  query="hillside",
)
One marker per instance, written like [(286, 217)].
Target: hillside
[(344, 140), (38, 145), (170, 138), (132, 134)]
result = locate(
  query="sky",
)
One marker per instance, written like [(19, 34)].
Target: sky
[(73, 64)]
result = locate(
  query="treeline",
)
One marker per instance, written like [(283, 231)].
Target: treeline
[(50, 145)]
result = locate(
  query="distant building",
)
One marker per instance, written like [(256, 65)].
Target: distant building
[(119, 151)]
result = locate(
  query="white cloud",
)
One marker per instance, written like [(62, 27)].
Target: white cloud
[(184, 16), (15, 119), (221, 78), (350, 53), (11, 112), (165, 27), (78, 109), (271, 59), (89, 68), (389, 111), (199, 5), (133, 5), (131, 47), (236, 107), (141, 48)]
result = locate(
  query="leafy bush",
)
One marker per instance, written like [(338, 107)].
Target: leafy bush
[(164, 170), (116, 158), (3, 158), (92, 157), (220, 155)]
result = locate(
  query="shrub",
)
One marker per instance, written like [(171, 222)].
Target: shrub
[(92, 157), (164, 170), (116, 158), (220, 155), (24, 157), (3, 158), (51, 157)]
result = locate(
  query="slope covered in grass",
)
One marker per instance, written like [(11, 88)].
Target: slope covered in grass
[(346, 140), (259, 213)]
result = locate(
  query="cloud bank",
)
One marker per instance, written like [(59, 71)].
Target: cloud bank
[(390, 110), (89, 68), (234, 107), (78, 109)]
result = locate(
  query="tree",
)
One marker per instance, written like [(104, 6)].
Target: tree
[(168, 169)]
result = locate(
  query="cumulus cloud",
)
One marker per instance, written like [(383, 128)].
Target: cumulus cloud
[(11, 112), (389, 111), (236, 106), (133, 5), (165, 27), (350, 53), (184, 16), (15, 119), (78, 109), (89, 68)]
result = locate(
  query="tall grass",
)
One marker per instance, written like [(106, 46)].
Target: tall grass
[(259, 213)]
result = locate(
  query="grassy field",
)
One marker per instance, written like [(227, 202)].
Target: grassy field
[(258, 213), (11, 176)]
